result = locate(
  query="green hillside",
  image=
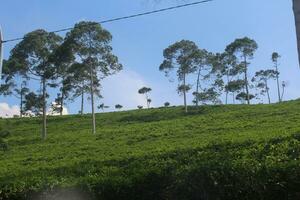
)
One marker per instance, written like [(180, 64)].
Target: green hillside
[(215, 152)]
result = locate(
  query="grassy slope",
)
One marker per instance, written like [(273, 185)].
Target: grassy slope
[(227, 152)]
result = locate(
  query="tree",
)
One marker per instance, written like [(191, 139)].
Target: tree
[(180, 56), (118, 107), (244, 97), (275, 58), (283, 85), (145, 91), (261, 79), (90, 44), (33, 104), (207, 95), (140, 107), (103, 106), (226, 65), (78, 78), (33, 53), (63, 58), (167, 104), (245, 49), (15, 82), (234, 87), (203, 69), (149, 101)]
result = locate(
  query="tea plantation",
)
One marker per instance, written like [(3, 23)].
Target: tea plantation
[(214, 152)]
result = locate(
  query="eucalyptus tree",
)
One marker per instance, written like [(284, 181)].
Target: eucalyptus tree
[(103, 107), (202, 68), (33, 53), (15, 82), (118, 107), (179, 57), (261, 80), (283, 86), (145, 91), (275, 60), (63, 58), (226, 65), (244, 49), (90, 44), (149, 101), (78, 80), (235, 87), (243, 97), (208, 95), (167, 104), (33, 104)]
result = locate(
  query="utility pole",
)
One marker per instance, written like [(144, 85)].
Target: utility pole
[(296, 7), (1, 53)]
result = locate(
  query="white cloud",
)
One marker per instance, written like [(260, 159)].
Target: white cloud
[(123, 89), (53, 113), (8, 111)]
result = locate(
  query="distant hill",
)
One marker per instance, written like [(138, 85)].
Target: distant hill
[(214, 152)]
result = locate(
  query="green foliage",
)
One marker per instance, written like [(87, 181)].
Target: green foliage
[(118, 106), (3, 143), (213, 152)]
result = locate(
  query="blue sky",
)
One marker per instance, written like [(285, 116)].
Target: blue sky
[(139, 42)]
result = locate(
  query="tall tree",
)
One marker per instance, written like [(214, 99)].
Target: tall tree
[(283, 85), (63, 58), (202, 68), (235, 87), (78, 80), (226, 64), (180, 56), (15, 81), (245, 49), (262, 78), (90, 44), (275, 59), (33, 53), (145, 91), (33, 104)]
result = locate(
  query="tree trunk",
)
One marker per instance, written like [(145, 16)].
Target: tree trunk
[(197, 89), (21, 102), (268, 92), (62, 104), (277, 78), (283, 91), (233, 98), (226, 101), (296, 7), (147, 98), (82, 101), (92, 101), (184, 93), (44, 131), (246, 81), (62, 99)]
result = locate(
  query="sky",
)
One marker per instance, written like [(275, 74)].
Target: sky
[(139, 42)]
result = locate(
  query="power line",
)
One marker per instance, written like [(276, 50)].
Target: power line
[(125, 17)]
